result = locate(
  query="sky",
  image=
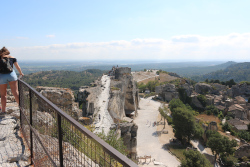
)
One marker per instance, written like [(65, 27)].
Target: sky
[(126, 30)]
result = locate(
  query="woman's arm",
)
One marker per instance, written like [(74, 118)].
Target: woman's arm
[(18, 69)]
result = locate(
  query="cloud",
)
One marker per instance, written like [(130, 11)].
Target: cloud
[(233, 46), (50, 36), (186, 38)]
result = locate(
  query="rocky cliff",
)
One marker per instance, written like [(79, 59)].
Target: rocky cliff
[(116, 94), (62, 98)]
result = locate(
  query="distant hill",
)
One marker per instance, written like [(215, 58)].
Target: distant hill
[(63, 79), (238, 72), (196, 70)]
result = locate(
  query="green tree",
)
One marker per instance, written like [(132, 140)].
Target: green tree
[(198, 131), (174, 103), (221, 145), (195, 159), (184, 124)]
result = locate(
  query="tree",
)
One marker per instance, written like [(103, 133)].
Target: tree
[(174, 103), (184, 123), (221, 145), (195, 159)]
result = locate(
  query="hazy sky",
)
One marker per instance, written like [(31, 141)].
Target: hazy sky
[(138, 29)]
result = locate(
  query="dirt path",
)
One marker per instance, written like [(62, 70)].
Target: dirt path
[(147, 139)]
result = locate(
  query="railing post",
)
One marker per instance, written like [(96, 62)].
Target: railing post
[(59, 125), (31, 137), (20, 102)]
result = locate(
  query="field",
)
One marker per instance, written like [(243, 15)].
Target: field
[(145, 77)]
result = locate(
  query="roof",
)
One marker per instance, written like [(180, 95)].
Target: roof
[(241, 127), (220, 107), (236, 107), (235, 121)]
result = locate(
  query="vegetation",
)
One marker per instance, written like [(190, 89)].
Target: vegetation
[(241, 134), (64, 79), (112, 138), (184, 122), (229, 83), (211, 109), (150, 85), (195, 159), (221, 145), (238, 72), (202, 99), (177, 150), (163, 112)]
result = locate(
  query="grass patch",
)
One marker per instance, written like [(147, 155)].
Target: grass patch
[(177, 150)]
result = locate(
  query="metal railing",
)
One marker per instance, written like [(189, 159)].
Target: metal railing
[(56, 139)]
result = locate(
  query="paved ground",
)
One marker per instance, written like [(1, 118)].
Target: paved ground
[(105, 121), (147, 141)]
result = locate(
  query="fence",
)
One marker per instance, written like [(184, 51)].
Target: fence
[(56, 139)]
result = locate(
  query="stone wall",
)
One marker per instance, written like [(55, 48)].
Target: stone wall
[(120, 71)]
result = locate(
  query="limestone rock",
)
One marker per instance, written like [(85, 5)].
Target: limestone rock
[(239, 90), (203, 88), (242, 151), (12, 152), (218, 89), (188, 88), (196, 102), (61, 97)]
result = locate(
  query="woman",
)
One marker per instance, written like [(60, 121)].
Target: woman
[(10, 78)]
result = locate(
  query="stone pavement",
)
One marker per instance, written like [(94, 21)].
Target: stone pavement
[(147, 138), (12, 148)]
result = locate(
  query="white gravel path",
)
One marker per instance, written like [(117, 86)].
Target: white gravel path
[(147, 142), (106, 120)]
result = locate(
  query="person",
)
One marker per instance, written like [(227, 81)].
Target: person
[(10, 78)]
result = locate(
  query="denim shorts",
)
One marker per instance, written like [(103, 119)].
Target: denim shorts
[(5, 78)]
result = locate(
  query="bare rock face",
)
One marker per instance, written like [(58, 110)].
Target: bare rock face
[(116, 104), (124, 99), (188, 88), (239, 90), (218, 89), (63, 98), (129, 134), (196, 102), (203, 88), (167, 92), (242, 151)]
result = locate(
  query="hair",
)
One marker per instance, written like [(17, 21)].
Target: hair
[(4, 51)]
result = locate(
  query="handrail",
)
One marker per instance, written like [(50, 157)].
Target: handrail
[(112, 153)]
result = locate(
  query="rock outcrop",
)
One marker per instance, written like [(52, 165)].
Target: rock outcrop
[(239, 90), (62, 98), (169, 91), (129, 134), (203, 88), (12, 152), (243, 151)]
